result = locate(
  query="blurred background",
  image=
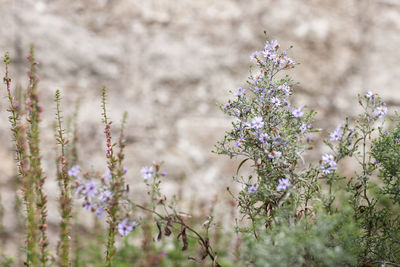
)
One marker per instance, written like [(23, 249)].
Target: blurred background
[(169, 63)]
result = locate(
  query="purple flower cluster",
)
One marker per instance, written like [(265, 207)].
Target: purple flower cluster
[(97, 197), (328, 164), (379, 107), (271, 54)]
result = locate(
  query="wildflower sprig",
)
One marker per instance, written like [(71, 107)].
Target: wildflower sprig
[(22, 158), (366, 195), (169, 219), (117, 185), (65, 187), (35, 172), (270, 133)]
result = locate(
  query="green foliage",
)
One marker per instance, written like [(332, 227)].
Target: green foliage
[(386, 151), (326, 240)]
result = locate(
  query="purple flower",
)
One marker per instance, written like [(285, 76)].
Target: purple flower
[(263, 138), (147, 172), (272, 45), (257, 77), (99, 211), (254, 56), (297, 112), (87, 204), (275, 101), (124, 170), (163, 174), (369, 94), (303, 127), (328, 163), (105, 196), (260, 91), (228, 106), (74, 171), (80, 189), (285, 88), (91, 189), (269, 54), (337, 134), (328, 158), (283, 184), (274, 154), (289, 62), (380, 111), (125, 227), (239, 92), (252, 189), (257, 122)]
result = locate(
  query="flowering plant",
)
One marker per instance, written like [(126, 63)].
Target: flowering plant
[(293, 212)]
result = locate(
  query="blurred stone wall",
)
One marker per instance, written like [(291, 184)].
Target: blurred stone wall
[(168, 63)]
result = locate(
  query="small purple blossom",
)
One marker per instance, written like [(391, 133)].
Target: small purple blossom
[(91, 190), (147, 172), (283, 184), (303, 127), (328, 163), (125, 227), (105, 196), (99, 211), (369, 94), (87, 204), (257, 122), (239, 92), (274, 154), (257, 77), (74, 171), (240, 141), (275, 101), (285, 88), (252, 189), (337, 134), (228, 106), (163, 174), (297, 112), (259, 91), (80, 189), (272, 45), (124, 170), (263, 138), (254, 56), (380, 111)]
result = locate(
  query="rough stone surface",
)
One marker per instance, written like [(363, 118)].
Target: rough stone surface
[(169, 62)]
